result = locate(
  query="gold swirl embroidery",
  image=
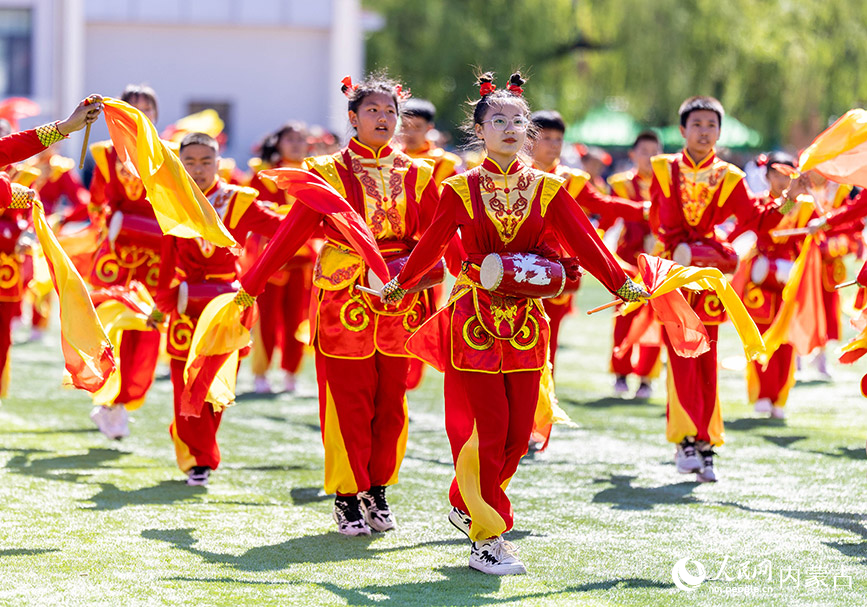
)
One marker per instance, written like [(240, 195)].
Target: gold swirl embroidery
[(152, 278), (413, 319), (528, 336), (475, 335), (10, 275), (354, 315), (712, 305), (181, 333), (107, 268), (338, 276), (755, 298), (133, 256)]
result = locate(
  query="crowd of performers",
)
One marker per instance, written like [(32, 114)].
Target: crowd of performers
[(355, 242)]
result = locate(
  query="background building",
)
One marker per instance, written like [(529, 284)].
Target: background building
[(259, 63)]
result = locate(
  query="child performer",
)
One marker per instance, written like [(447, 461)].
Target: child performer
[(205, 270), (492, 346), (284, 302), (635, 238), (768, 271), (416, 123), (361, 358), (692, 192), (129, 252)]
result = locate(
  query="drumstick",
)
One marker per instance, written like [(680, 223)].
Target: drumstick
[(792, 232), (610, 304), (368, 290), (843, 285), (84, 143)]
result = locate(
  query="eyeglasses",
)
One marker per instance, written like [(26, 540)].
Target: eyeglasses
[(499, 123)]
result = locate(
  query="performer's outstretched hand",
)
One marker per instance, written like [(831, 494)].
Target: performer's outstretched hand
[(86, 113), (391, 291), (817, 224)]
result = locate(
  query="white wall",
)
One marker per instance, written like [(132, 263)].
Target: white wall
[(270, 75)]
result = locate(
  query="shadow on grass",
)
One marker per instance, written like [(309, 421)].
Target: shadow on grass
[(783, 441), (464, 587), (110, 497), (26, 551), (755, 423), (308, 495), (608, 402), (54, 468), (247, 396), (624, 496), (52, 431)]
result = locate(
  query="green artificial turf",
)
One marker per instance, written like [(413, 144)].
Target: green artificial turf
[(601, 517)]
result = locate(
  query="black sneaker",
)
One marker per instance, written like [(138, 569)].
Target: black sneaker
[(347, 515), (375, 508), (198, 476)]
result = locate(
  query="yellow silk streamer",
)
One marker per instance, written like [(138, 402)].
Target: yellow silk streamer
[(179, 205), (712, 279)]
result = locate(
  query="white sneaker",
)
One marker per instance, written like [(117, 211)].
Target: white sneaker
[(778, 413), (111, 421), (496, 556), (261, 385), (644, 391), (706, 453), (198, 476), (763, 406), (375, 508), (347, 514), (461, 520), (685, 458), (289, 384)]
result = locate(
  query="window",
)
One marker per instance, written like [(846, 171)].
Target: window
[(16, 53)]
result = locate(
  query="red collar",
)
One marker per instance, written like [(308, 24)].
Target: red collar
[(493, 167), (688, 161), (213, 187), (367, 152), (552, 170)]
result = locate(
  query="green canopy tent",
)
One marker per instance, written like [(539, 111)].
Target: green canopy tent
[(604, 126), (734, 135)]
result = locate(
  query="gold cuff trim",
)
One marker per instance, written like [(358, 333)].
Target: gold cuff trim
[(630, 291), (22, 198), (49, 133), (244, 299)]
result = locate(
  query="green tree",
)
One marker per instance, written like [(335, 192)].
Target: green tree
[(783, 67)]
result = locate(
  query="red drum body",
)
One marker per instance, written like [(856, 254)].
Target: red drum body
[(772, 274), (192, 298), (522, 275), (434, 277), (701, 255), (134, 231)]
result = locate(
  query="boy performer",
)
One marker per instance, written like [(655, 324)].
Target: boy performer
[(129, 252), (192, 272), (692, 192), (416, 122), (635, 238)]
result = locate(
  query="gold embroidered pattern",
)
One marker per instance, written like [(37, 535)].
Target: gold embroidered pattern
[(9, 271), (697, 188), (475, 336), (181, 333), (385, 202), (528, 335), (504, 309), (48, 134), (505, 201), (338, 276), (353, 314)]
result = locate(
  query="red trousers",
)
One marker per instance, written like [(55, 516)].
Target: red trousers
[(362, 412), (195, 438), (488, 421), (693, 400), (831, 300), (282, 309), (642, 360), (139, 351), (776, 379)]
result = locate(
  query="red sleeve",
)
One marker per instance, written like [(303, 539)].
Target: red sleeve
[(750, 213), (166, 298), (609, 208), (434, 241), (853, 210), (292, 232), (19, 146), (278, 197), (259, 220), (569, 224)]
